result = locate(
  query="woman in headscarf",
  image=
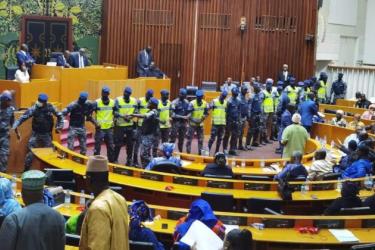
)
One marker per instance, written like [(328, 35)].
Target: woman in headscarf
[(202, 211), (8, 204), (139, 212)]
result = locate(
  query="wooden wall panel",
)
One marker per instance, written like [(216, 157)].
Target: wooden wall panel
[(189, 52)]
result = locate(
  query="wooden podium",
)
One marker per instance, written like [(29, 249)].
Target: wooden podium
[(73, 81)]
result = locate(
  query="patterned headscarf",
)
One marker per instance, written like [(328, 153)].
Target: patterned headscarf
[(139, 212), (7, 202)]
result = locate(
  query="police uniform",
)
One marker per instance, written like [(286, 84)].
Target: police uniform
[(232, 126), (164, 109), (6, 120), (42, 125), (268, 110), (218, 122), (149, 136), (244, 117), (179, 108), (197, 113), (104, 118), (276, 99), (338, 90), (142, 109), (292, 94), (322, 92), (79, 113), (124, 130), (255, 119)]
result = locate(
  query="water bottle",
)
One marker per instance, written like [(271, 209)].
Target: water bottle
[(233, 163), (339, 185), (368, 182), (82, 200), (304, 188), (14, 184), (262, 163), (243, 164), (67, 198)]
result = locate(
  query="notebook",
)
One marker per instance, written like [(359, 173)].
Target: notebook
[(343, 235)]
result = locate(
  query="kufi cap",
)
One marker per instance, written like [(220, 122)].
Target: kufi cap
[(164, 92), (106, 90), (154, 101), (296, 118), (341, 112), (43, 97), (128, 90), (83, 95), (199, 93), (97, 163), (5, 97), (33, 180), (183, 91)]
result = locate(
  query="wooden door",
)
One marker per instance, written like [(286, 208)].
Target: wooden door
[(170, 63)]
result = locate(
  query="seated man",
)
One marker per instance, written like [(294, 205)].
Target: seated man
[(219, 167), (64, 59), (361, 167), (22, 75), (139, 212), (79, 60), (320, 166), (167, 158), (339, 120), (354, 136), (293, 169), (349, 199), (349, 158)]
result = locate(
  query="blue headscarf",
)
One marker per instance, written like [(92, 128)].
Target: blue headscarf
[(8, 204), (139, 212), (199, 210)]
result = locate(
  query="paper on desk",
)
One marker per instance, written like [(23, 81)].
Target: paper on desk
[(343, 235), (229, 228), (200, 237)]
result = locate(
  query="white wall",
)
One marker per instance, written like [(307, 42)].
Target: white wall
[(369, 47)]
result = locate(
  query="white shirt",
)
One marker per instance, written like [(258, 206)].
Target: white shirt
[(81, 62), (285, 75), (351, 137), (22, 77)]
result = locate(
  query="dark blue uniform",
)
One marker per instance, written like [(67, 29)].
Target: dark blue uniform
[(233, 122), (338, 90), (6, 121), (255, 119), (179, 108), (244, 117)]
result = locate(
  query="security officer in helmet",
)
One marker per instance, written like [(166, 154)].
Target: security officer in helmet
[(292, 91), (42, 124), (338, 90), (244, 115), (126, 105), (179, 118), (233, 121), (149, 131), (268, 110), (252, 137), (142, 109), (6, 122), (105, 109), (198, 111), (219, 120), (321, 87), (167, 150), (164, 109), (79, 112)]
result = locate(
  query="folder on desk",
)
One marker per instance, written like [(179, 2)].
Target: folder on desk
[(343, 235)]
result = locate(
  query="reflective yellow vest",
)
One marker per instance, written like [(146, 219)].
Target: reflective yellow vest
[(219, 112), (322, 91), (104, 114), (198, 111), (164, 114), (292, 94), (142, 109), (268, 102), (125, 109)]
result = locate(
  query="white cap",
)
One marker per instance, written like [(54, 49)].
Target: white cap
[(296, 118), (97, 163)]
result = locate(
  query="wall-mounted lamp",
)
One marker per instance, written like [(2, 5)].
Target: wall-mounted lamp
[(243, 24)]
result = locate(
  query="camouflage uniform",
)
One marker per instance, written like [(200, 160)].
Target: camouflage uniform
[(78, 115), (232, 127), (197, 112), (42, 125), (6, 120), (179, 108), (244, 112), (149, 137)]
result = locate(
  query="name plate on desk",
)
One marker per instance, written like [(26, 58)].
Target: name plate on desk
[(185, 181), (123, 171), (278, 223), (175, 215), (329, 224), (152, 177), (220, 184), (257, 186), (232, 220)]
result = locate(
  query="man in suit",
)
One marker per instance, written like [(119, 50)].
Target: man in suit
[(284, 74), (308, 109), (79, 60), (64, 59), (23, 57), (144, 61)]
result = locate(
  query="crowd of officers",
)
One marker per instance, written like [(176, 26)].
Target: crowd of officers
[(141, 124)]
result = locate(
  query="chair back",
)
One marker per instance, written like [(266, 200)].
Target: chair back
[(219, 202)]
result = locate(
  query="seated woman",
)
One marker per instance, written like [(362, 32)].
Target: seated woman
[(361, 167), (22, 75), (362, 102), (167, 158), (202, 211), (139, 212), (293, 169), (320, 166), (369, 114), (349, 199), (219, 167), (8, 204), (339, 120), (238, 239)]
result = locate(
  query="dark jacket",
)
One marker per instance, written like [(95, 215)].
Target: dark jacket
[(74, 60), (214, 169), (370, 202)]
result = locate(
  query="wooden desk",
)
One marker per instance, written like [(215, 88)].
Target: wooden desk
[(26, 94), (73, 80), (329, 117), (352, 110), (346, 103)]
